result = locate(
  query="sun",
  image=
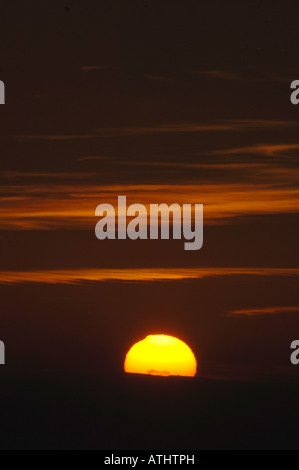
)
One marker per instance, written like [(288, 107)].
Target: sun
[(161, 355)]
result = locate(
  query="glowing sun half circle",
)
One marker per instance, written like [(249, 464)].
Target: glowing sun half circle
[(161, 355)]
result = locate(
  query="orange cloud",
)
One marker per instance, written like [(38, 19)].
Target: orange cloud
[(269, 150), (79, 276)]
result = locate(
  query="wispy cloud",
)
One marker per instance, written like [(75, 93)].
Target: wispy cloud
[(268, 150), (82, 276), (56, 205), (257, 312), (241, 125), (57, 137), (246, 75), (56, 176), (197, 166), (267, 173)]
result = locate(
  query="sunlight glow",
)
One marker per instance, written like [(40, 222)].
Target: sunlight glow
[(161, 355)]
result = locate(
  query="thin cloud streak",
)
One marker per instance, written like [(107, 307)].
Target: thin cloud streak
[(267, 150), (263, 172), (157, 78), (225, 126), (84, 159), (82, 276), (257, 312), (54, 206), (268, 172), (246, 75), (56, 176), (57, 137)]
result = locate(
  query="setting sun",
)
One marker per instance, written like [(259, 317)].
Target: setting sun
[(161, 355)]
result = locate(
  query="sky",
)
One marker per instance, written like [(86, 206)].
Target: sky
[(164, 102)]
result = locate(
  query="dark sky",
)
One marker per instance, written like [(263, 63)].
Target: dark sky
[(162, 101)]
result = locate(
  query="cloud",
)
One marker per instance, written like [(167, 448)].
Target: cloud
[(241, 125), (73, 205), (57, 137), (198, 166), (267, 150), (257, 312), (73, 176), (81, 276), (164, 373), (263, 172), (224, 126)]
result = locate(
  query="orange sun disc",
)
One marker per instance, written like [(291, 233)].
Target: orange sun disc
[(161, 355)]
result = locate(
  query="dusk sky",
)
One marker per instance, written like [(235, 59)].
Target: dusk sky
[(164, 102)]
